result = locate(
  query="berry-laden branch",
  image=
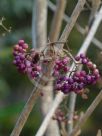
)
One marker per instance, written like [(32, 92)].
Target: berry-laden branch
[(31, 65), (84, 48), (39, 36), (33, 72), (66, 84), (29, 62), (47, 99), (87, 114)]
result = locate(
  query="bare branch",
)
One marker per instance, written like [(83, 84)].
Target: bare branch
[(57, 20), (72, 20), (33, 26), (71, 107), (26, 111), (87, 114), (98, 43), (54, 106), (79, 28), (39, 23), (46, 102)]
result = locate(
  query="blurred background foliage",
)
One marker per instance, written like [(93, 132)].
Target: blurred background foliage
[(15, 88)]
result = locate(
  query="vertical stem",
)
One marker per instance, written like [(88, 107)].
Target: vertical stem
[(57, 20), (40, 37), (54, 106), (71, 108), (46, 102), (39, 23), (48, 90)]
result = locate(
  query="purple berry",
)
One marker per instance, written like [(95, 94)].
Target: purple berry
[(96, 72), (21, 42), (77, 58), (82, 73), (82, 56), (89, 64), (84, 61)]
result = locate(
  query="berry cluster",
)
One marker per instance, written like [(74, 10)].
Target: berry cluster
[(80, 79), (19, 55), (26, 62), (62, 116), (61, 66), (59, 116)]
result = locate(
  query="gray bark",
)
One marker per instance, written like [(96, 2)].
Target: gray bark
[(39, 36)]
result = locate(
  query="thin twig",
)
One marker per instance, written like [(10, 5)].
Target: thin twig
[(84, 48), (3, 26), (63, 129), (87, 114), (72, 20), (98, 43), (26, 111), (79, 28), (57, 20)]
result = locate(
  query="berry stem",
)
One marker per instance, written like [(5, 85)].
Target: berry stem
[(71, 56), (1, 23)]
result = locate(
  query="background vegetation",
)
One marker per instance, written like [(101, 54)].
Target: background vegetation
[(15, 88)]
